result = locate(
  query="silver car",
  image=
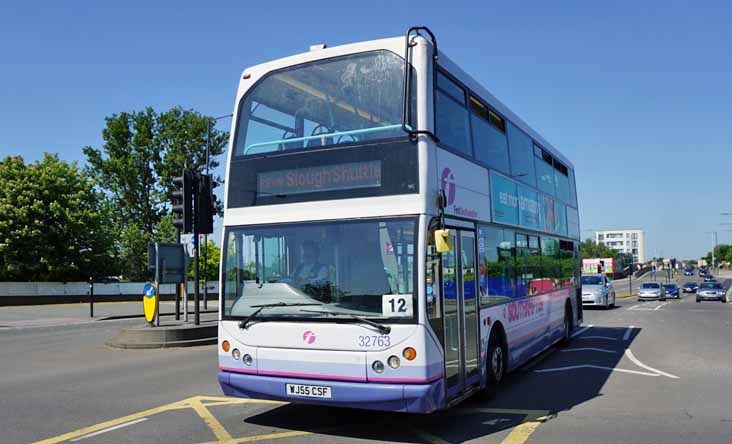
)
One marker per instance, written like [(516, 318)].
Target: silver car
[(597, 290), (651, 291), (711, 291)]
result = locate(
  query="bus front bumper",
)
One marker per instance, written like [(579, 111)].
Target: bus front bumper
[(412, 398)]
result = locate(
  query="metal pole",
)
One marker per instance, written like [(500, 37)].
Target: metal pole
[(630, 278), (713, 248), (91, 297), (185, 291), (205, 236), (177, 287), (196, 312), (157, 285)]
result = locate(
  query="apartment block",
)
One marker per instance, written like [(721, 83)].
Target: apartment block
[(624, 241)]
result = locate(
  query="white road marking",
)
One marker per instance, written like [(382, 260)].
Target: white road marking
[(612, 369), (118, 426), (626, 336), (635, 360), (599, 337), (582, 330), (601, 350), (665, 303)]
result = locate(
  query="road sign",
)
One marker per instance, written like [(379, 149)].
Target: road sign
[(189, 243), (150, 302), (169, 260)]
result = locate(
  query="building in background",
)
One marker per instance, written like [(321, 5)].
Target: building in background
[(630, 242)]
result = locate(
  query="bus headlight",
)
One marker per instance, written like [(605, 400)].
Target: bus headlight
[(378, 366), (247, 359), (393, 361), (236, 354)]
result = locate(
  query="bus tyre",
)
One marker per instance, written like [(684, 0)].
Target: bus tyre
[(496, 365), (567, 330)]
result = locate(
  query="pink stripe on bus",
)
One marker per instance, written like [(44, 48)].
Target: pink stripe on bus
[(331, 377)]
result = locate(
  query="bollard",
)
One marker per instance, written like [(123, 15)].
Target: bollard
[(91, 297)]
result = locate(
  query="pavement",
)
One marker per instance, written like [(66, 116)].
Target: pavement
[(27, 316), (652, 372)]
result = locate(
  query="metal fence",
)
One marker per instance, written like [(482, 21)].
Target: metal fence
[(60, 289)]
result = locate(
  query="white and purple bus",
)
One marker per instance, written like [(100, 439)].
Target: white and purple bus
[(395, 238)]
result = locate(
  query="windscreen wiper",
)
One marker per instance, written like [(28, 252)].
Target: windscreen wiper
[(384, 329), (244, 322)]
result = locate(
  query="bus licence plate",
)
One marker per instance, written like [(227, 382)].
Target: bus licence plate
[(308, 391)]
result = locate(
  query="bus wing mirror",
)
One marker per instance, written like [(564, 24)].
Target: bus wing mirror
[(442, 241)]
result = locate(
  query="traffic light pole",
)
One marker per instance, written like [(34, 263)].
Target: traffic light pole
[(196, 209), (178, 294), (205, 236)]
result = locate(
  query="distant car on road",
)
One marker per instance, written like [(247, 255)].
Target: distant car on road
[(709, 278), (651, 291), (688, 272), (690, 287), (711, 291), (597, 290), (672, 290)]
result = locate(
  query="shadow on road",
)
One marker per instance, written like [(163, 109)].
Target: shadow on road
[(563, 379)]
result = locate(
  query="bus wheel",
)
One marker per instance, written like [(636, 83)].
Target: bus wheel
[(496, 365), (567, 333)]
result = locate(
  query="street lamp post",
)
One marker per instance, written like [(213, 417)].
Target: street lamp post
[(714, 247), (205, 236)]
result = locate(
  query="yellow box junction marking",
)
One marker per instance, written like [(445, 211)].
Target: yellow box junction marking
[(196, 403), (201, 404)]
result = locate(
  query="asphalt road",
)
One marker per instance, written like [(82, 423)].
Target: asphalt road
[(649, 372)]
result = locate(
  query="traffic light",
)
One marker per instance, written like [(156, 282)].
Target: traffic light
[(183, 202), (205, 209)]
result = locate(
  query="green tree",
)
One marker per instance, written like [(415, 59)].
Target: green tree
[(142, 152), (55, 225), (722, 253), (212, 263), (589, 250)]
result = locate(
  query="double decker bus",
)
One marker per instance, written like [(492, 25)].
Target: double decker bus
[(395, 238)]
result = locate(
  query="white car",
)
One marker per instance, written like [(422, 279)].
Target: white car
[(597, 291), (651, 291)]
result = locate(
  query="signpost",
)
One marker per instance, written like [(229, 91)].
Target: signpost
[(168, 261), (150, 302)]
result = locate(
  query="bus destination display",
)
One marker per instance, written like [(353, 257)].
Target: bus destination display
[(343, 176)]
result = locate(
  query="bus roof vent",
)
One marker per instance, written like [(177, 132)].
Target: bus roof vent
[(318, 47)]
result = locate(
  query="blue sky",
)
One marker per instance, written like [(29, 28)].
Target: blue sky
[(637, 94)]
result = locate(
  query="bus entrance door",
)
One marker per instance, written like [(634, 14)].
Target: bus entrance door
[(459, 289)]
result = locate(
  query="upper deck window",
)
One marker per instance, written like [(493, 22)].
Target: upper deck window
[(522, 159), (489, 136), (451, 121), (348, 99), (544, 171)]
